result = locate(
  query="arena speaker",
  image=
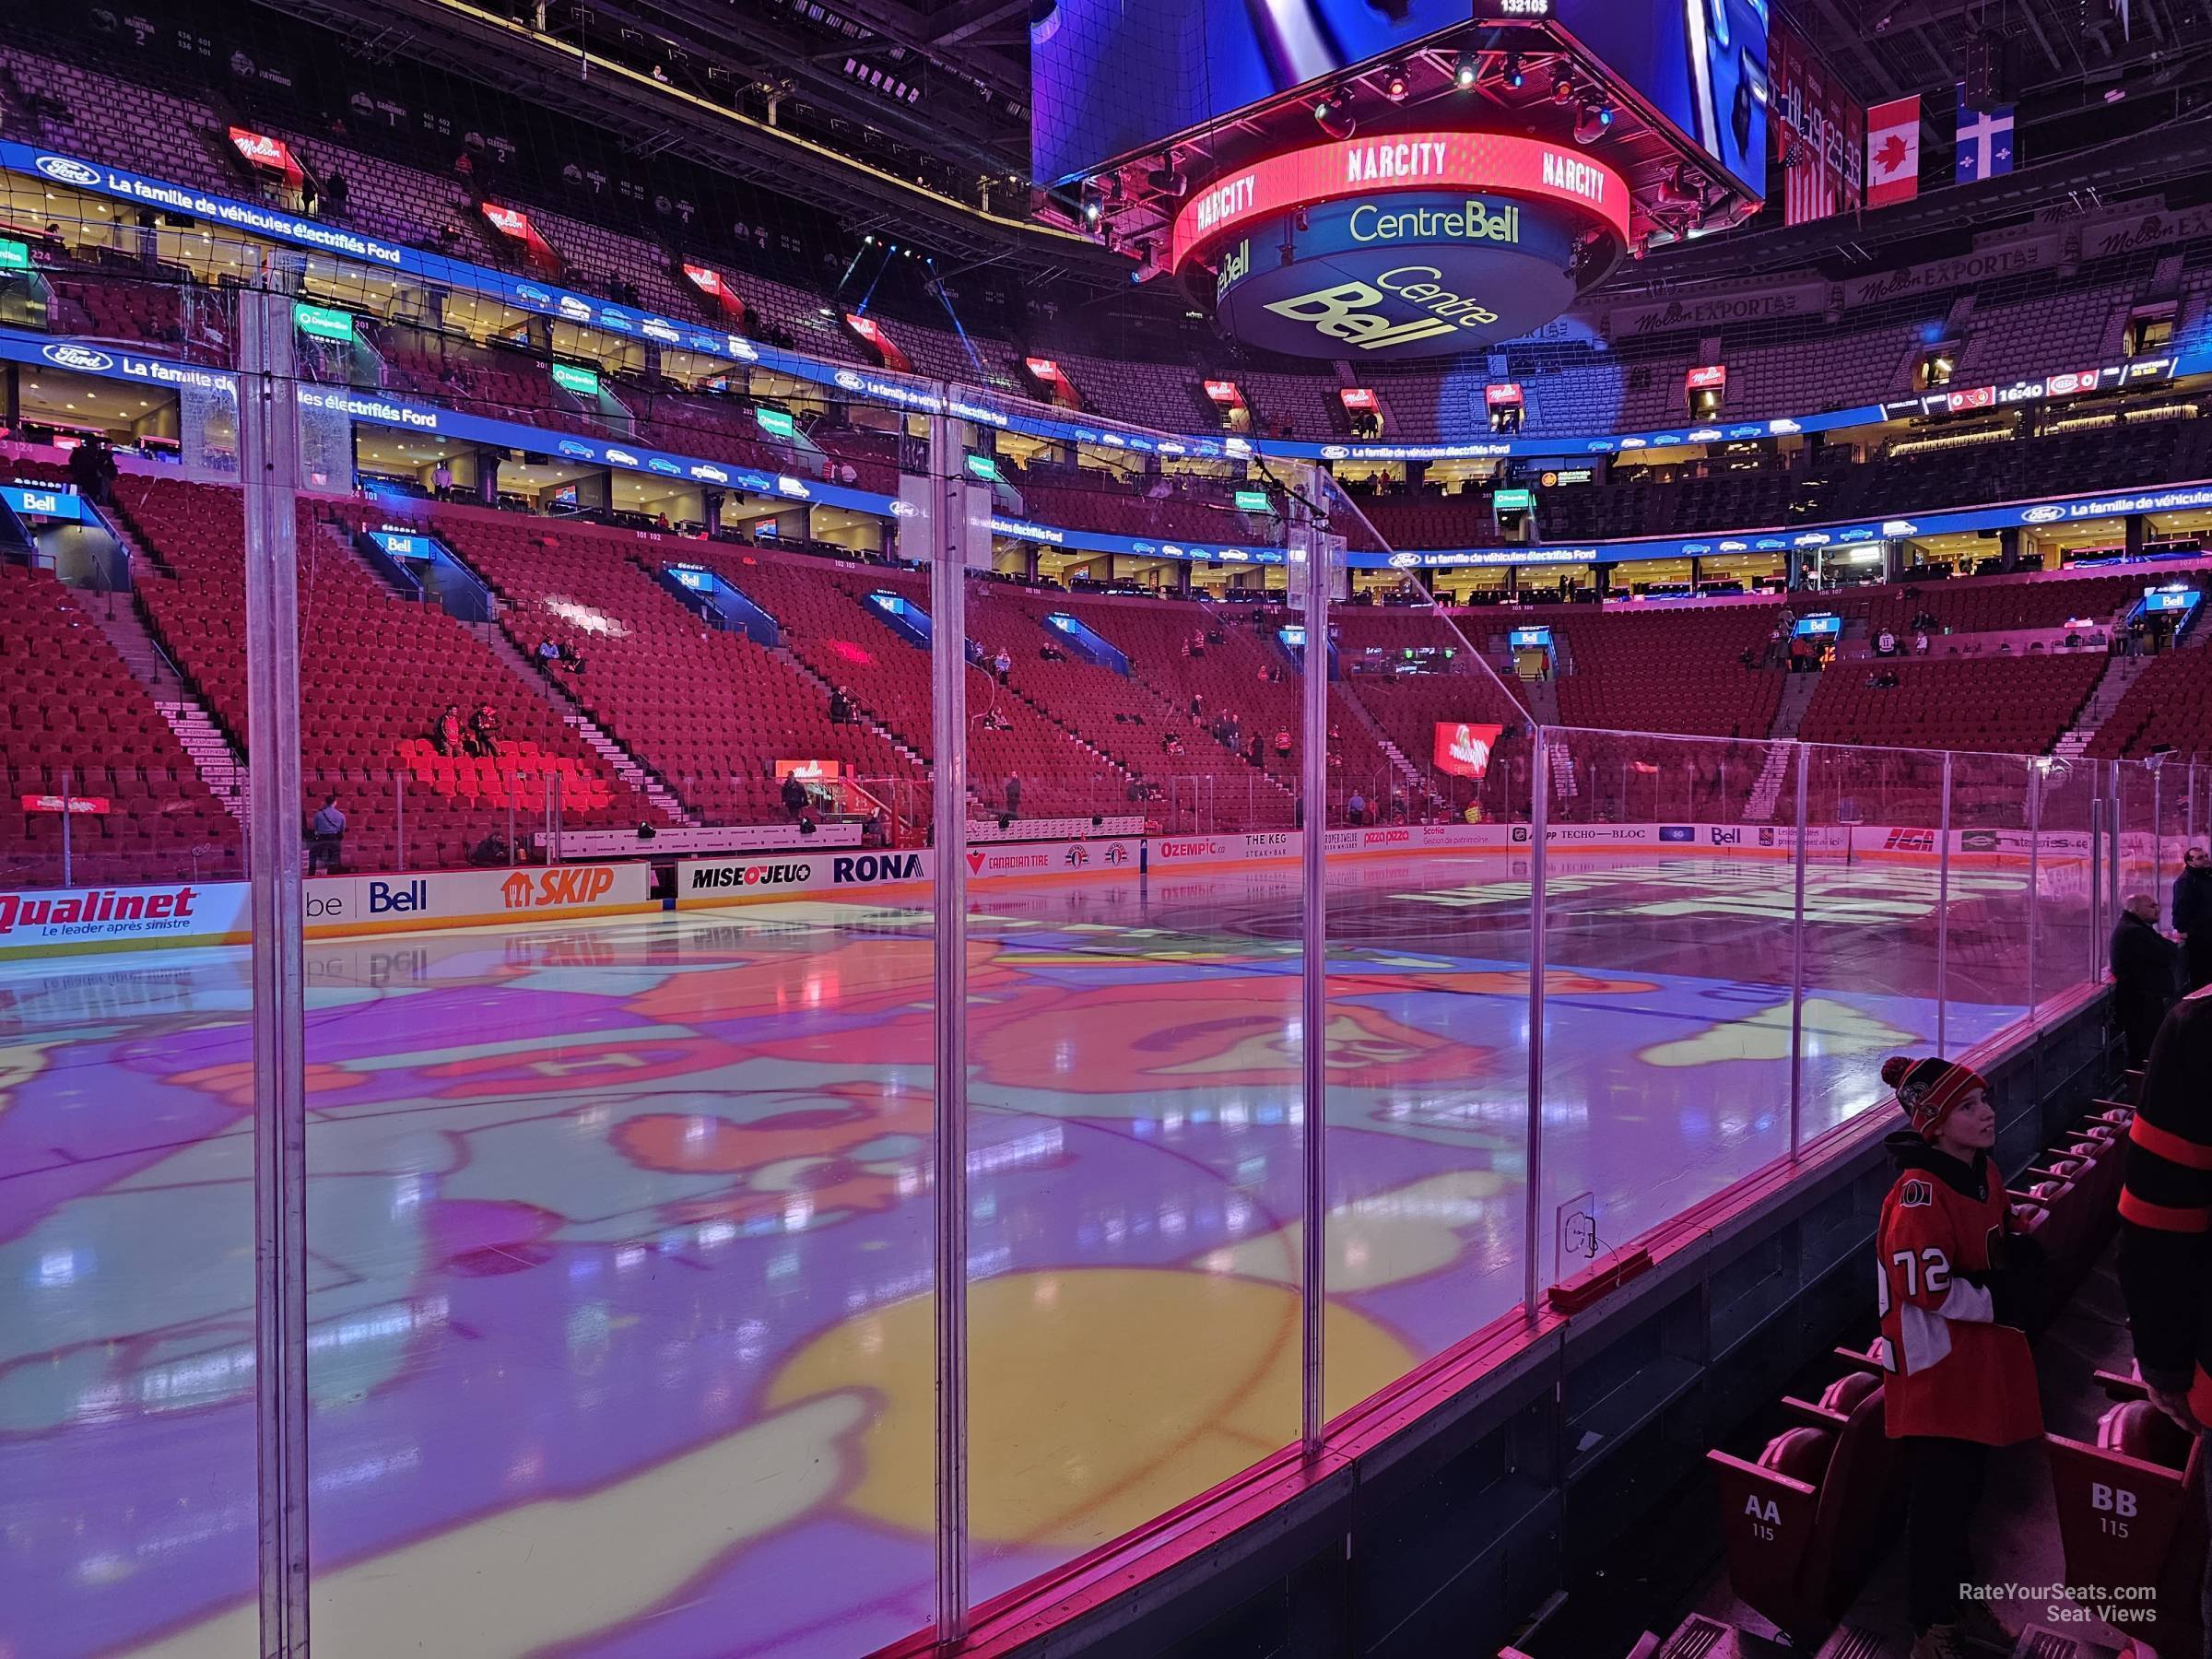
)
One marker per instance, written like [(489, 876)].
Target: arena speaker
[(1984, 69)]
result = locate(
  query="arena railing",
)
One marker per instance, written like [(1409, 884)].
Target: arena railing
[(924, 1241)]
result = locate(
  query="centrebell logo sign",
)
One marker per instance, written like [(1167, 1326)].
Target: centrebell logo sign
[(1401, 276)]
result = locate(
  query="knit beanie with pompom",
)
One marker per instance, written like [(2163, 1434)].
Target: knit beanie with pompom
[(1929, 1090)]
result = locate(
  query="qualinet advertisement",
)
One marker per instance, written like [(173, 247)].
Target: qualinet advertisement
[(186, 911)]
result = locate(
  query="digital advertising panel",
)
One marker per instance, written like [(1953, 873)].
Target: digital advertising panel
[(1702, 65), (1109, 78), (1411, 244)]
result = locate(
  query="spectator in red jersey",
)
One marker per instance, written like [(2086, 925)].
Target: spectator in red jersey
[(1955, 1281), (484, 731), (1282, 744), (447, 739), (2166, 1230)]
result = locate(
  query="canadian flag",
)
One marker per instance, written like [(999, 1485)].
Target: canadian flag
[(1893, 152)]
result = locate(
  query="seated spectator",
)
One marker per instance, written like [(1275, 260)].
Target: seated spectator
[(549, 653), (1885, 643), (488, 853), (484, 731), (1002, 665), (841, 708), (1920, 643), (1171, 745), (570, 660)]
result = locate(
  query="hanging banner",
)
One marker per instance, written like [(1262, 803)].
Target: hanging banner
[(1819, 131), (1893, 152)]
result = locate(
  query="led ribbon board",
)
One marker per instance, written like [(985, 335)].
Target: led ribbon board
[(1407, 246)]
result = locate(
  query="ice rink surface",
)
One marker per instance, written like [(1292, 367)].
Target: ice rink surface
[(621, 1230)]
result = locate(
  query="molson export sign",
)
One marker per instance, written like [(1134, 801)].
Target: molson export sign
[(1406, 246)]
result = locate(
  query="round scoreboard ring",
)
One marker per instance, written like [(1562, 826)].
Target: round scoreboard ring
[(1411, 245)]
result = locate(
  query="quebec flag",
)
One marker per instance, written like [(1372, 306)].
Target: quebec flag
[(1984, 141)]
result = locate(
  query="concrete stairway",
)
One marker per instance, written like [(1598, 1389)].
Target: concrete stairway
[(2119, 673), (619, 760), (1410, 775), (1776, 771), (220, 767), (1797, 691)]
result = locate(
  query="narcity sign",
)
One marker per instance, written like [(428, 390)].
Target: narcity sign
[(1407, 246)]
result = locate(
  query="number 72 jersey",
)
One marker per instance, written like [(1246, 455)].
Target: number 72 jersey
[(1953, 1371)]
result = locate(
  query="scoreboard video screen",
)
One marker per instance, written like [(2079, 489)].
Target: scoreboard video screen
[(1110, 77)]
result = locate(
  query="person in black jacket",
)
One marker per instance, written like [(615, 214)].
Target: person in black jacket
[(2165, 1228), (2144, 965), (2193, 915)]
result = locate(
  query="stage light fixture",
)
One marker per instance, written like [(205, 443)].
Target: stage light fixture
[(1513, 77), (1467, 69)]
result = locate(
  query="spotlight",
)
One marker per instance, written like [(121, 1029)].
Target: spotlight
[(1333, 111), (1562, 89), (1513, 77), (1394, 85), (1467, 69), (1166, 178), (1094, 207), (1593, 121)]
